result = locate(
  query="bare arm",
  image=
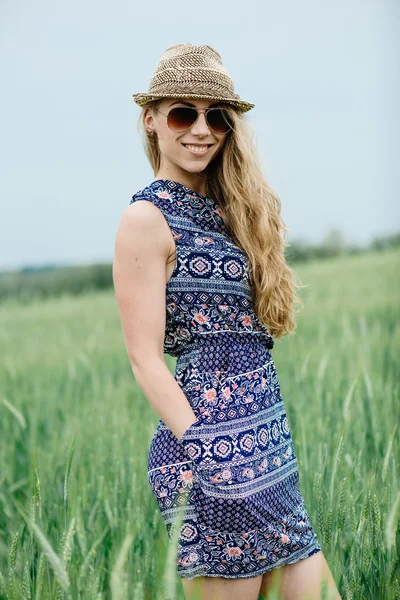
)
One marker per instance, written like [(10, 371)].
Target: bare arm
[(142, 247)]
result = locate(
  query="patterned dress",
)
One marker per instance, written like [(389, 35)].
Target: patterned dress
[(232, 478)]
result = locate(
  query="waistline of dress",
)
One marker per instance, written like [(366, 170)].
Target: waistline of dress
[(247, 338)]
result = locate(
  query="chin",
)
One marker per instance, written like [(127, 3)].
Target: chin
[(195, 168)]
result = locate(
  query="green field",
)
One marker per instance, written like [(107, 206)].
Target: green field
[(77, 516)]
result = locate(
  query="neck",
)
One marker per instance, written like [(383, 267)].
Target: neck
[(194, 181)]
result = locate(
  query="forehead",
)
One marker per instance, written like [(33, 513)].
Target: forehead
[(169, 102)]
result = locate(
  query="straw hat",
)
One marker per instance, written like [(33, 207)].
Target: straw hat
[(187, 71)]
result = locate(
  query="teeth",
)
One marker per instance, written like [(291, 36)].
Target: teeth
[(196, 148)]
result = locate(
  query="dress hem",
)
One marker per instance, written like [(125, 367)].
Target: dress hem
[(288, 560)]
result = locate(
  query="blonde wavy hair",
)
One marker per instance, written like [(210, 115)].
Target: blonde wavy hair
[(252, 216)]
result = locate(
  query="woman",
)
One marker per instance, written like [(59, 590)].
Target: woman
[(199, 270)]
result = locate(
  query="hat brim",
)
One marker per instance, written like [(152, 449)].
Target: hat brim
[(142, 99)]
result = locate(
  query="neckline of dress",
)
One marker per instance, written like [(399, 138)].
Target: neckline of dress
[(199, 204), (184, 187)]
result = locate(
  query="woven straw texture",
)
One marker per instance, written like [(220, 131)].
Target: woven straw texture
[(187, 71)]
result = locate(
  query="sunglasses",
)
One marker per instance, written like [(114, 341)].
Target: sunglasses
[(182, 118)]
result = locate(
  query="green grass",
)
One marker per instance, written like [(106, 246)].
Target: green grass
[(77, 517)]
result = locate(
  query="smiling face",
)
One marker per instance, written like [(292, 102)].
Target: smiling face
[(183, 155)]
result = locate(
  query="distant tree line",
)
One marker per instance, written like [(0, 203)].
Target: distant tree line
[(334, 243), (55, 280), (29, 283)]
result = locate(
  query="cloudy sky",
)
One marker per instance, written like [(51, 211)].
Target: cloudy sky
[(323, 76)]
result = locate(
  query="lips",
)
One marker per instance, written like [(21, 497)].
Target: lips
[(199, 149)]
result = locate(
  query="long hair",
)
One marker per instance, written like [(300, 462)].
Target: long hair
[(252, 216)]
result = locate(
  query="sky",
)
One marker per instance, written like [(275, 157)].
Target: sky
[(324, 79)]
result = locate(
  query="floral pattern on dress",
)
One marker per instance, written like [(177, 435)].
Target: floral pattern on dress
[(231, 482)]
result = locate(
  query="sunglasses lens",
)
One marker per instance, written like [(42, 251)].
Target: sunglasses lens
[(181, 118), (219, 120)]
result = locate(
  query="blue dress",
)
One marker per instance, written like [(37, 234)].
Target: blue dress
[(232, 478)]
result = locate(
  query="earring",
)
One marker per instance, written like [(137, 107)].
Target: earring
[(150, 131)]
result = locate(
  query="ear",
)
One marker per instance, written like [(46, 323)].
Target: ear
[(148, 118)]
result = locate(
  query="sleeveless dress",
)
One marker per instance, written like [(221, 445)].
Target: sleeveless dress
[(232, 478)]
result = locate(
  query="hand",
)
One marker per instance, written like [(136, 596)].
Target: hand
[(187, 427), (191, 439)]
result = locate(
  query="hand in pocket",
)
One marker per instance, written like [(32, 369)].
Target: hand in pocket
[(188, 429), (191, 438)]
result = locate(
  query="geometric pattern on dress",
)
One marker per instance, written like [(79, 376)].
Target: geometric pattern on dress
[(233, 476)]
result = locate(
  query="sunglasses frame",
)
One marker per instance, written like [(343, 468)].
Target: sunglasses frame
[(198, 110)]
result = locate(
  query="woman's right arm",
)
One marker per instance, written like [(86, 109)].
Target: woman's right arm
[(142, 247)]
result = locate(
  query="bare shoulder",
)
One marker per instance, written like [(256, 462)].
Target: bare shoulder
[(142, 223), (142, 218), (142, 213)]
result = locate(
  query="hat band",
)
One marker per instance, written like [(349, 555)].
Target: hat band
[(192, 81)]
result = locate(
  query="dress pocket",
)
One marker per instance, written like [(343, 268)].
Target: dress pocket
[(237, 463), (228, 484), (202, 393), (193, 431), (231, 480), (186, 432)]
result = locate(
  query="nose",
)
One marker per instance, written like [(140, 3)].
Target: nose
[(200, 127)]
